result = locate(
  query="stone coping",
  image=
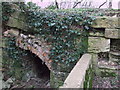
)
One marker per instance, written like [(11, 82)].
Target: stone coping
[(77, 76)]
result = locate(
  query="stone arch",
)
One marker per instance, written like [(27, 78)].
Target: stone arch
[(35, 45)]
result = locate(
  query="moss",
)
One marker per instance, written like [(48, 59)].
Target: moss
[(57, 79), (55, 82), (88, 78), (106, 73)]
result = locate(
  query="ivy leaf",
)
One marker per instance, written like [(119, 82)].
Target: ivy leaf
[(51, 24), (86, 27)]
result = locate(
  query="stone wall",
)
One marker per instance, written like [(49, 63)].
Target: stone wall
[(104, 43)]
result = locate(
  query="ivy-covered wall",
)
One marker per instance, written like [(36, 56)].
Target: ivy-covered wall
[(65, 31)]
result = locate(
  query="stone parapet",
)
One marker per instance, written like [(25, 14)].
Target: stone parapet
[(77, 76)]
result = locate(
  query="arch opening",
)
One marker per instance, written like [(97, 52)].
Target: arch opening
[(40, 77)]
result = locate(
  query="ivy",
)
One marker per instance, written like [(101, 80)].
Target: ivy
[(6, 11), (65, 31), (61, 29), (12, 57)]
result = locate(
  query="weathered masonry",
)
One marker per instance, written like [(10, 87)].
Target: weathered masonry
[(104, 46), (104, 38)]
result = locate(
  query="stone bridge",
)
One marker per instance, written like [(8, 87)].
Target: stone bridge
[(103, 38)]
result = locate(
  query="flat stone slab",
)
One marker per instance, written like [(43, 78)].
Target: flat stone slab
[(108, 65), (13, 32), (112, 33), (106, 22), (98, 44), (114, 58), (16, 23), (115, 53)]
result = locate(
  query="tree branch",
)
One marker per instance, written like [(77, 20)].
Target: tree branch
[(77, 3), (103, 4)]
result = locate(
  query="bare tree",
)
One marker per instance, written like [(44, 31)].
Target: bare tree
[(103, 4), (75, 5)]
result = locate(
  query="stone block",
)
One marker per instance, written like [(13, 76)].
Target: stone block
[(115, 53), (97, 33), (106, 22), (98, 44), (13, 32), (17, 18), (17, 12), (18, 15), (112, 33), (114, 58), (16, 23), (108, 65), (105, 72)]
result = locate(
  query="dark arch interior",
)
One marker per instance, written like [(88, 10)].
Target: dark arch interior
[(40, 68), (41, 74)]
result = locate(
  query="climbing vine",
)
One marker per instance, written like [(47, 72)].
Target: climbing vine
[(65, 31), (12, 55), (6, 11)]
